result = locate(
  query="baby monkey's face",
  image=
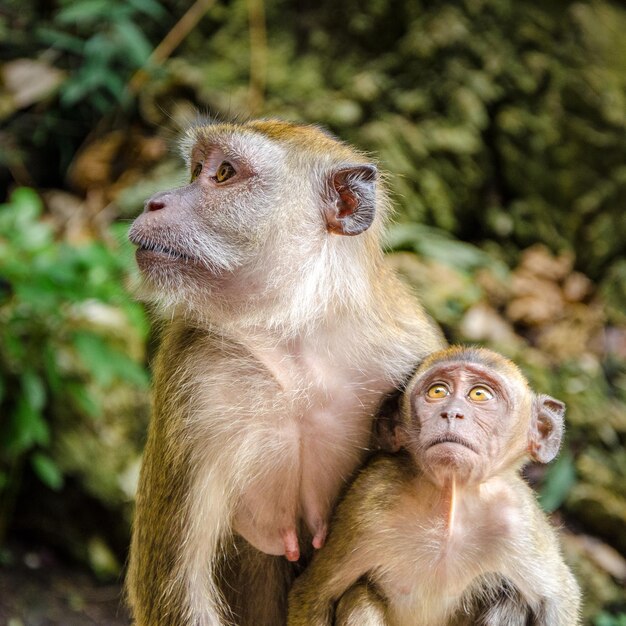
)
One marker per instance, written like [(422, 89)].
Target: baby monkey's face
[(460, 425)]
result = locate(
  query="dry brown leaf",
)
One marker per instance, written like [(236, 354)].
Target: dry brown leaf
[(577, 287), (483, 323), (538, 260), (603, 555), (28, 81)]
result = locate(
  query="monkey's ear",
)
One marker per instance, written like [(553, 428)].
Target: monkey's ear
[(388, 433), (350, 199), (546, 429)]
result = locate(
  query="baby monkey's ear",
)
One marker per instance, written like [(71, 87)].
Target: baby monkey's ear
[(350, 198), (546, 428), (389, 433)]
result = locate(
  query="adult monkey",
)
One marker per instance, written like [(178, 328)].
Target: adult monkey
[(285, 332)]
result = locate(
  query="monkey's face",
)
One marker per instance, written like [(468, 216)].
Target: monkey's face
[(202, 238), (256, 223), (464, 422)]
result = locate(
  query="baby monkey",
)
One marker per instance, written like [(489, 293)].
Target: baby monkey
[(446, 532)]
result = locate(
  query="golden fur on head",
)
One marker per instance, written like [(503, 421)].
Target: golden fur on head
[(312, 139), (286, 230), (473, 354)]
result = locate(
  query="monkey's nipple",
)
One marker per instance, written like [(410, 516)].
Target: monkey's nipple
[(319, 539), (290, 541)]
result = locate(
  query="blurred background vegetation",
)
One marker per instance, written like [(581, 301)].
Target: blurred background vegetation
[(502, 125)]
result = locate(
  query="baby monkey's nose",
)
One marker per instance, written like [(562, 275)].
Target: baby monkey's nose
[(452, 414)]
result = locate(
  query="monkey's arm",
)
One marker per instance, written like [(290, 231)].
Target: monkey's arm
[(495, 601), (541, 572), (347, 554), (561, 603), (313, 596), (333, 570), (361, 605)]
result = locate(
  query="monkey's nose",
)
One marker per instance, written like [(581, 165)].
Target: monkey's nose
[(155, 205), (452, 414)]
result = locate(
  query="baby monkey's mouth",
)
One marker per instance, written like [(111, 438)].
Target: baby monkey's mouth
[(451, 438)]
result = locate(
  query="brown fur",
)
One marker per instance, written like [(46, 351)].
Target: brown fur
[(361, 605)]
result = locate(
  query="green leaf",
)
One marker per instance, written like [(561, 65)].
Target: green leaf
[(47, 470), (102, 560), (83, 399), (404, 235), (136, 314), (436, 244), (73, 91), (458, 254), (19, 221), (25, 427), (60, 40), (99, 50), (107, 364), (113, 84), (606, 619), (133, 42), (149, 7), (26, 200), (559, 479), (34, 390), (14, 349), (85, 11), (94, 353), (53, 378)]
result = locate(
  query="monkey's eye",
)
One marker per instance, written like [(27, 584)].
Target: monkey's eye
[(480, 394), (437, 391), (196, 171), (224, 172)]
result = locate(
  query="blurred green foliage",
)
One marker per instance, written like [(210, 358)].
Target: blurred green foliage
[(98, 44), (558, 482), (56, 356), (103, 41), (604, 619)]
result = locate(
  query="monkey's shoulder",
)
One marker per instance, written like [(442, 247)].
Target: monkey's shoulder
[(188, 353), (396, 467), (381, 480), (538, 526), (182, 340)]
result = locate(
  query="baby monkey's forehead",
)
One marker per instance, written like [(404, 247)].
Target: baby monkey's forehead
[(455, 372)]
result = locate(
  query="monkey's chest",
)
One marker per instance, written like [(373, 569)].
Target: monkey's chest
[(306, 449), (440, 561)]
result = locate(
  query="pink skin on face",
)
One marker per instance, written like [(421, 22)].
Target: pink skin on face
[(461, 413)]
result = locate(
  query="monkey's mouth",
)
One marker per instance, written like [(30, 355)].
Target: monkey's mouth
[(158, 249), (451, 438)]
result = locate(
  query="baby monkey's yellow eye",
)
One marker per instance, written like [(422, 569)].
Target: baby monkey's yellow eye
[(437, 391), (224, 172), (196, 171), (480, 394)]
